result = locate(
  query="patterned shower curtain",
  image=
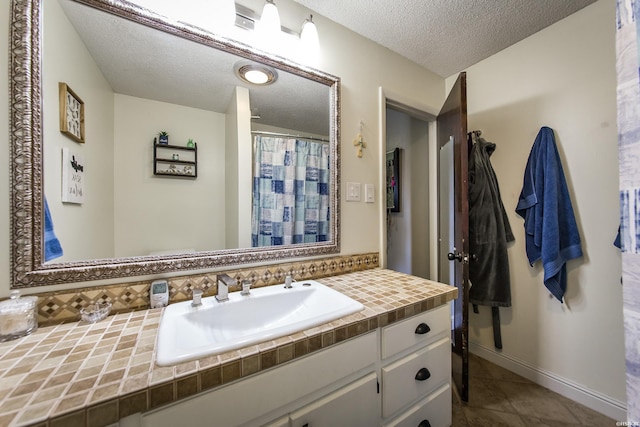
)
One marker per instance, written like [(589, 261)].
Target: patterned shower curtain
[(628, 63), (290, 191)]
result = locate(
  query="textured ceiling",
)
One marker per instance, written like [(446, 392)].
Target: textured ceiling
[(139, 61), (445, 36)]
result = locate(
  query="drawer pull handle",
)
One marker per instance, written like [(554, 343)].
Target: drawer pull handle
[(423, 374), (422, 329), (424, 423)]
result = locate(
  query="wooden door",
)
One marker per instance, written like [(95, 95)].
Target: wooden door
[(454, 222)]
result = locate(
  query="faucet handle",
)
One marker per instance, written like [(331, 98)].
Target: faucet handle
[(287, 282), (246, 287), (197, 298)]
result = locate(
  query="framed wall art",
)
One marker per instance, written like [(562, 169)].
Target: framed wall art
[(71, 113), (393, 180), (72, 177)]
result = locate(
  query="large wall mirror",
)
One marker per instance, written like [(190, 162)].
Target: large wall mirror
[(127, 74)]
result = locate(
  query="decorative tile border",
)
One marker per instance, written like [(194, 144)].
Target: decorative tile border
[(64, 306)]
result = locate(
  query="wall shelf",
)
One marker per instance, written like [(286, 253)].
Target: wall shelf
[(175, 160)]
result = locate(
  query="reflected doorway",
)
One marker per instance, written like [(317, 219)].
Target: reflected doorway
[(408, 193)]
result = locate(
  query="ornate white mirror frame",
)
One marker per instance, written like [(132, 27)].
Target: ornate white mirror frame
[(25, 125)]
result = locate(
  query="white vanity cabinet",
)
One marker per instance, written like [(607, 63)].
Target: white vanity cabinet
[(270, 396), (416, 371), (353, 405), (369, 380)]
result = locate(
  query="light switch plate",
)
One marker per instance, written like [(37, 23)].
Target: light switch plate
[(353, 192), (369, 193)]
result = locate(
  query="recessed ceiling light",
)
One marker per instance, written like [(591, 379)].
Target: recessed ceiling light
[(254, 73)]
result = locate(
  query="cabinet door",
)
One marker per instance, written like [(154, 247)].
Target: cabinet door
[(416, 375), (353, 405), (436, 409), (422, 330)]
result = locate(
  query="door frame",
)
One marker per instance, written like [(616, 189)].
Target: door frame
[(427, 113)]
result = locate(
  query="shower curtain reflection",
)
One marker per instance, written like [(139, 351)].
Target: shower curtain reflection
[(290, 191)]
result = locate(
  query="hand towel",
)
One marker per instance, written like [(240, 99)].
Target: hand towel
[(52, 247)]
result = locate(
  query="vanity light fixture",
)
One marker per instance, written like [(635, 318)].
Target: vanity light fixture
[(257, 74), (270, 19), (309, 34)]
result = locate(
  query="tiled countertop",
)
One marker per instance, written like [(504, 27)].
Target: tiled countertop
[(78, 374)]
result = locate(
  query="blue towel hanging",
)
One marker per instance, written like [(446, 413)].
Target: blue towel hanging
[(550, 226), (52, 247)]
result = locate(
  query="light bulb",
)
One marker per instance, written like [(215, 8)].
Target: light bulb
[(256, 76), (269, 23), (309, 40)]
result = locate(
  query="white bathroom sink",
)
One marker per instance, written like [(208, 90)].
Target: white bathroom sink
[(188, 333)]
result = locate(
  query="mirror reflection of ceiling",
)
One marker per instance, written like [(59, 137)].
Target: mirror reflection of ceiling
[(147, 63)]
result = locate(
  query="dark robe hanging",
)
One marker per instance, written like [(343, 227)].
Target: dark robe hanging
[(489, 233)]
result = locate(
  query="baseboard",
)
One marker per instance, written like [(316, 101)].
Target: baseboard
[(606, 405)]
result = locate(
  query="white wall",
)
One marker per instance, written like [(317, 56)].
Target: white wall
[(65, 59), (364, 67), (152, 213), (408, 230), (562, 77), (238, 177)]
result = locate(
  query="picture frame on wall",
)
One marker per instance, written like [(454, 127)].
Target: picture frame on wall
[(73, 174), (393, 180), (71, 113)]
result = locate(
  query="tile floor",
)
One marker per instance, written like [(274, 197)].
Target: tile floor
[(498, 397)]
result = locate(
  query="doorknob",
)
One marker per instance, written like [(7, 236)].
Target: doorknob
[(455, 255), (461, 257)]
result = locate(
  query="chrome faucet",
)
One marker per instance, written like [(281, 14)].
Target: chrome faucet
[(224, 281)]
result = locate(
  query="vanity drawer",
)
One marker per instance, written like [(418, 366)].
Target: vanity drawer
[(403, 335), (436, 409), (416, 375)]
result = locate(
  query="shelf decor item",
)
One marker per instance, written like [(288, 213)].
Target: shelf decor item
[(163, 138), (190, 143), (71, 113), (175, 160)]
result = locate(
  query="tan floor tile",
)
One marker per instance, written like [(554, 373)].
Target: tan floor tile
[(587, 416), (486, 394), (478, 417), (498, 397), (533, 400)]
